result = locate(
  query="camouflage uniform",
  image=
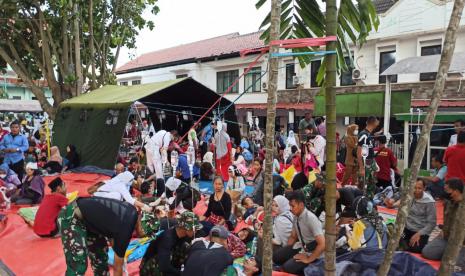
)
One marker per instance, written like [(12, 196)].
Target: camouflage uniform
[(149, 266), (78, 244), (368, 183), (313, 197), (150, 224)]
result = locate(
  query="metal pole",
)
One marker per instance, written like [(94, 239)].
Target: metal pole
[(406, 143), (387, 105)]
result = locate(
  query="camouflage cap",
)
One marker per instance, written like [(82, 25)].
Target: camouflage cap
[(150, 224), (189, 221)]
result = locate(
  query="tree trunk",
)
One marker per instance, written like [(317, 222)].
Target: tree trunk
[(77, 50), (267, 266), (91, 44), (330, 96), (454, 242), (407, 194)]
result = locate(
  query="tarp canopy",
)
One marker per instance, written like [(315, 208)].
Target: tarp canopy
[(425, 64), (20, 105), (365, 104), (95, 122)]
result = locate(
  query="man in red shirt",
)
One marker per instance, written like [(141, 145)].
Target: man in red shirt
[(386, 161), (45, 224), (455, 157)]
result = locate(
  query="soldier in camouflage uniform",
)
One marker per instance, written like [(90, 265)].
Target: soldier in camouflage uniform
[(366, 158), (166, 254), (314, 194), (79, 242)]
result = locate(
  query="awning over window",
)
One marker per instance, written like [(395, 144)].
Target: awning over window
[(296, 106), (365, 104)]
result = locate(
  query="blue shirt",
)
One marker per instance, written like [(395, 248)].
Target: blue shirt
[(183, 167), (17, 142), (208, 133)]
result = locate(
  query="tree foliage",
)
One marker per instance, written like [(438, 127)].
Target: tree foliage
[(306, 18), (37, 39)]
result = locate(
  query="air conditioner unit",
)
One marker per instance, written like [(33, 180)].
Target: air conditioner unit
[(265, 86), (356, 74), (296, 80)]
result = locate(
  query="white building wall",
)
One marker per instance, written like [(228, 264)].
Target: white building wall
[(405, 28)]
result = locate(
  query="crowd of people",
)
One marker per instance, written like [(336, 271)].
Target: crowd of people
[(24, 158), (219, 231)]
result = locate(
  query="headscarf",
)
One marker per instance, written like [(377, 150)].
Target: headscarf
[(124, 177), (173, 183), (222, 139), (283, 204), (291, 141), (364, 209), (208, 158), (55, 155), (4, 167)]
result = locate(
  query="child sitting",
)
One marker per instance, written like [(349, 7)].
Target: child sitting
[(45, 223)]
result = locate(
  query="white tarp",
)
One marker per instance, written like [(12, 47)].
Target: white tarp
[(425, 64), (20, 106)]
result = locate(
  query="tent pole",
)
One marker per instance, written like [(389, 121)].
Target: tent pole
[(406, 143), (387, 106)]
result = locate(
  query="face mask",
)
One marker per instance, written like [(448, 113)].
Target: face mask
[(2, 175), (356, 132)]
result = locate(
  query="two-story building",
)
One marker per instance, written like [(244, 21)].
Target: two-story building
[(408, 28)]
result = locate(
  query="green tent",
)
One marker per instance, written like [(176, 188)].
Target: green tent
[(95, 122)]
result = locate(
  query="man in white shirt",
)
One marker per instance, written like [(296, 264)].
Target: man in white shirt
[(161, 141), (459, 125)]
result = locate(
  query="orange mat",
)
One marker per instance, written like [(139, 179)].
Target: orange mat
[(439, 211), (27, 254)]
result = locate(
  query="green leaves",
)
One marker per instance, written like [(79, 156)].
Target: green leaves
[(305, 18)]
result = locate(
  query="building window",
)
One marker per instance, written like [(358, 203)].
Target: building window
[(290, 73), (181, 76), (386, 59), (346, 77), (224, 79), (123, 83), (429, 51), (252, 80), (314, 68), (135, 82), (16, 97)]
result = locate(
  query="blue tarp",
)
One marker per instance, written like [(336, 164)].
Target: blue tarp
[(206, 187), (366, 261)]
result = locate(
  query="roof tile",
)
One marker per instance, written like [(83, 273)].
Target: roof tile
[(221, 45)]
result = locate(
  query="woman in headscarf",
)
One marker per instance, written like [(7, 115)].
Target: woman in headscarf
[(72, 159), (351, 168), (282, 223), (207, 171), (9, 179), (223, 152), (55, 162), (32, 190), (291, 139), (118, 188)]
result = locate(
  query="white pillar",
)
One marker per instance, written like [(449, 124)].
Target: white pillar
[(406, 143), (387, 105)]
